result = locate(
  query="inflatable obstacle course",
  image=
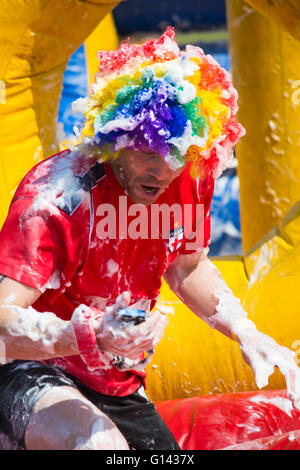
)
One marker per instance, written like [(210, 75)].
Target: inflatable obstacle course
[(195, 371)]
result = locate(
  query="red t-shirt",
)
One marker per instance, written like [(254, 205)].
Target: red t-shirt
[(73, 233)]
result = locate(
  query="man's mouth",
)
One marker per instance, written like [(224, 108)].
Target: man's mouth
[(150, 190)]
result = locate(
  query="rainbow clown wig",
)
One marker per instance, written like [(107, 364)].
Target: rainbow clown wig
[(153, 96)]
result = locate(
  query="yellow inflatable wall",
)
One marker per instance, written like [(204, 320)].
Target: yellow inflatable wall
[(266, 72), (284, 13), (37, 39)]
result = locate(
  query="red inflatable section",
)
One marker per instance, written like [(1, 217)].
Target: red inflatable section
[(264, 420)]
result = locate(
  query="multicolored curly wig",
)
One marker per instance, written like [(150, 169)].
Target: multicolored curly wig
[(153, 96)]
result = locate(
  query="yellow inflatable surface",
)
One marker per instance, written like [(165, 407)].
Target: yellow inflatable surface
[(266, 71), (285, 13), (37, 39)]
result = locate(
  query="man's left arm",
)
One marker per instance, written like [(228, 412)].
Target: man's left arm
[(200, 286)]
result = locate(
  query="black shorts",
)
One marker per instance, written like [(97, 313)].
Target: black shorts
[(22, 383)]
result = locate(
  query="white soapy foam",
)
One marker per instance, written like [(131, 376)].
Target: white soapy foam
[(188, 138), (95, 301), (261, 350), (61, 187), (45, 327), (175, 75), (229, 312), (247, 11), (126, 124), (81, 105), (264, 354), (263, 262), (272, 125), (117, 330), (282, 403), (164, 309), (53, 282), (112, 267), (10, 299), (249, 445), (78, 318), (249, 427), (173, 162)]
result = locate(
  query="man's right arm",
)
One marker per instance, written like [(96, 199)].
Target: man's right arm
[(32, 335), (27, 333)]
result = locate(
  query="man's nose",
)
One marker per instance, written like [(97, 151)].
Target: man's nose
[(160, 169)]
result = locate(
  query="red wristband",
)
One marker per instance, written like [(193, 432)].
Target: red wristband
[(83, 326)]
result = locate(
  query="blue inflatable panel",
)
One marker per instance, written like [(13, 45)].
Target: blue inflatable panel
[(225, 216), (222, 57), (75, 85)]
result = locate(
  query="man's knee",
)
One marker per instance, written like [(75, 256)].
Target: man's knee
[(63, 419), (100, 438)]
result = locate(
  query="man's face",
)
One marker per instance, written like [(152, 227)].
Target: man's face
[(144, 176)]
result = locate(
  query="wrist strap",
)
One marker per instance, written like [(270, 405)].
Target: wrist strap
[(82, 322)]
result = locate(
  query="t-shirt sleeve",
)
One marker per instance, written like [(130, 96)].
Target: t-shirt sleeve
[(38, 248), (199, 234)]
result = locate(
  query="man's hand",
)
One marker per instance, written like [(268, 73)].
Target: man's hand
[(262, 353), (130, 341)]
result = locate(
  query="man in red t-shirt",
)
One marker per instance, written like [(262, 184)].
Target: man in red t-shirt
[(89, 235), (56, 257)]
